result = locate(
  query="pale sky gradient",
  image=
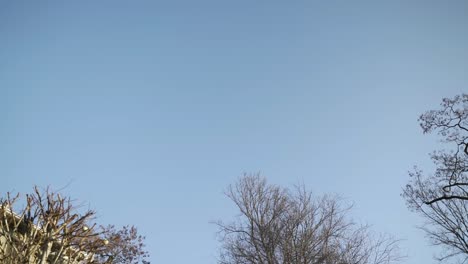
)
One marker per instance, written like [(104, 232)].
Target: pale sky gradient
[(148, 110)]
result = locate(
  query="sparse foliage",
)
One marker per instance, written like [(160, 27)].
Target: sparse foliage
[(441, 197), (49, 229), (279, 226)]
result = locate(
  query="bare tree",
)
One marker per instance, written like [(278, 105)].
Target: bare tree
[(49, 229), (441, 197), (279, 226)]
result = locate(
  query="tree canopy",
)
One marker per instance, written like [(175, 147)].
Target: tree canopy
[(281, 226), (51, 229)]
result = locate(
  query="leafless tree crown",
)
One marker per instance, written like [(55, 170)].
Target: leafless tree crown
[(279, 226)]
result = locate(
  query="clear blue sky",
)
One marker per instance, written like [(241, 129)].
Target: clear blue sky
[(148, 110)]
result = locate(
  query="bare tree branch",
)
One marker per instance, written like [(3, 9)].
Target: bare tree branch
[(441, 197)]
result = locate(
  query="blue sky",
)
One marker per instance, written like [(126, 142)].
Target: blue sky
[(147, 110)]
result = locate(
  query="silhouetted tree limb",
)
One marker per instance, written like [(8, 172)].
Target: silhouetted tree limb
[(441, 197)]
